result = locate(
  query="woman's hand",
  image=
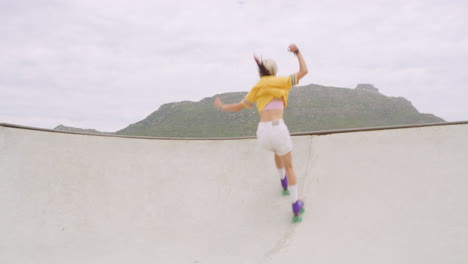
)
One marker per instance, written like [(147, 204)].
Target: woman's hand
[(218, 103), (302, 65), (293, 48)]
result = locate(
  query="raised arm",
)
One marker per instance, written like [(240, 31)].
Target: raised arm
[(302, 65), (228, 107)]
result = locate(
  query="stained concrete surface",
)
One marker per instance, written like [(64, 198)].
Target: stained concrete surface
[(386, 196)]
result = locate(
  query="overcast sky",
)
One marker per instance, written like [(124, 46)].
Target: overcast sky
[(105, 64)]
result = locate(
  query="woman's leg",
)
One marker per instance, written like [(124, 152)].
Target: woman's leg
[(280, 166), (286, 160), (282, 174), (278, 162)]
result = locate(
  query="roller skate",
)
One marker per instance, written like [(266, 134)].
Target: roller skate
[(298, 210), (284, 184)]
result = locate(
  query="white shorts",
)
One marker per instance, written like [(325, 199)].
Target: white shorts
[(274, 136)]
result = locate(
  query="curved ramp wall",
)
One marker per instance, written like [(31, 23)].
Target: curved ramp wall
[(386, 196)]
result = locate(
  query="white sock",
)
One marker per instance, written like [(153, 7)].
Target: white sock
[(282, 173), (293, 193)]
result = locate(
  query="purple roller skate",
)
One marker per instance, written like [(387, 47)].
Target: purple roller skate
[(284, 184), (298, 209)]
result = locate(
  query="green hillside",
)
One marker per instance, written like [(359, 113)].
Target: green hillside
[(310, 108)]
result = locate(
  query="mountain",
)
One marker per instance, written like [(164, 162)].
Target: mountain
[(310, 108), (79, 130)]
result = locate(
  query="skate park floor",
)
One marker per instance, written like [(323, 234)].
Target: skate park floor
[(387, 195)]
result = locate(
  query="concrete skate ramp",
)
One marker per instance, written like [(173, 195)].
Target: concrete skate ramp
[(383, 196)]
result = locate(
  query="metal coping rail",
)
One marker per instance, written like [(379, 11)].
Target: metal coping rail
[(313, 133)]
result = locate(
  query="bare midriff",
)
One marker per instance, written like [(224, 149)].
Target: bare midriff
[(273, 111), (271, 115)]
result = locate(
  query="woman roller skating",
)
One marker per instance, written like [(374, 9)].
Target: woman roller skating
[(270, 94)]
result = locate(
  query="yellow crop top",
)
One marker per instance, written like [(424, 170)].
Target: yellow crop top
[(267, 88)]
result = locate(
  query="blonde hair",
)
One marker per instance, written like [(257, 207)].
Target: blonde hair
[(266, 67), (270, 65)]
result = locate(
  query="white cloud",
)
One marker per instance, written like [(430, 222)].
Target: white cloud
[(106, 64)]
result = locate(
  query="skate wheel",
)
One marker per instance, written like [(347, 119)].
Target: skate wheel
[(297, 219), (285, 192), (302, 210)]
